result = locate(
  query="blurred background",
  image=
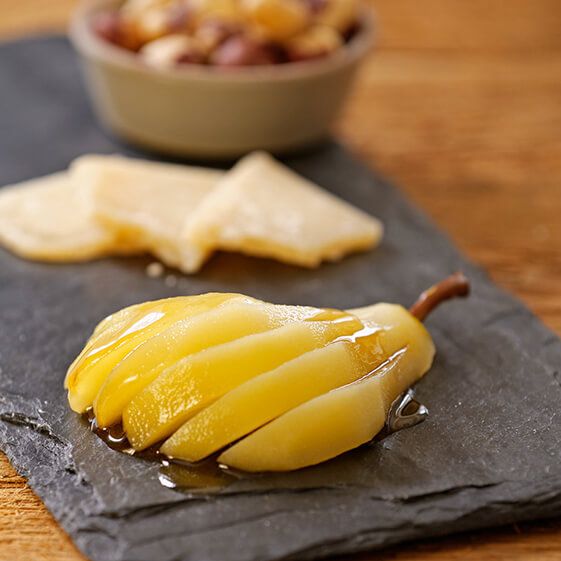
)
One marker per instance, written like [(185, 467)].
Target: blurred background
[(461, 105)]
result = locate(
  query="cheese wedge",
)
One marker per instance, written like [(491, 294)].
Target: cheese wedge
[(47, 219), (262, 208), (147, 203)]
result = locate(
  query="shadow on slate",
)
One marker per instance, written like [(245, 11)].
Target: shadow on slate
[(489, 453)]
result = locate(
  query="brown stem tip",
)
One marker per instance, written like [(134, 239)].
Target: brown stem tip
[(454, 286)]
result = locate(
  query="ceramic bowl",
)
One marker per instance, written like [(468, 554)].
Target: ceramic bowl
[(212, 112)]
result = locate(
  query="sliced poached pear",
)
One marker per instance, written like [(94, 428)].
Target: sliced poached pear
[(230, 320), (343, 418), (105, 330), (270, 388), (86, 375), (196, 381), (264, 398)]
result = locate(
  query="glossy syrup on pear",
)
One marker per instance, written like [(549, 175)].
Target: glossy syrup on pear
[(209, 477)]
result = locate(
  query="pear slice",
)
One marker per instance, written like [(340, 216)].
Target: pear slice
[(234, 318), (107, 330), (86, 377), (197, 380), (47, 219), (146, 202), (341, 419), (269, 395), (263, 208), (261, 399)]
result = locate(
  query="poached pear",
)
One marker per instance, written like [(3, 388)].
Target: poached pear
[(266, 387)]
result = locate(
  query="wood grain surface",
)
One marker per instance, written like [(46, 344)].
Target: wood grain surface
[(461, 106)]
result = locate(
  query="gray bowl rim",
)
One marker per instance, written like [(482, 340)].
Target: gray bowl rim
[(90, 45)]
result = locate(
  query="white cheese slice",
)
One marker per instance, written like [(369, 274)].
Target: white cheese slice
[(265, 209), (47, 219), (147, 203)]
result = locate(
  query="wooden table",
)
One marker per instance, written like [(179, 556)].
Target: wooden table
[(461, 105)]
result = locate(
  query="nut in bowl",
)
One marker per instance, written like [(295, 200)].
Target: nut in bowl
[(217, 79)]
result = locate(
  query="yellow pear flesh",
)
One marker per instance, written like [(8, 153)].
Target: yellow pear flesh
[(232, 319), (105, 330), (344, 418), (196, 381), (264, 398), (269, 387), (86, 376)]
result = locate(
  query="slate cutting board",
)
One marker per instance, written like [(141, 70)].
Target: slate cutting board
[(488, 454)]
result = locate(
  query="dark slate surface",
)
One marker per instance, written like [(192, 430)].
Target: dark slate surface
[(488, 455)]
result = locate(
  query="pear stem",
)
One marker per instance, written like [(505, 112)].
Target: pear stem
[(454, 286)]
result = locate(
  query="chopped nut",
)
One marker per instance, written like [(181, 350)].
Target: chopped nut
[(171, 50), (155, 270)]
